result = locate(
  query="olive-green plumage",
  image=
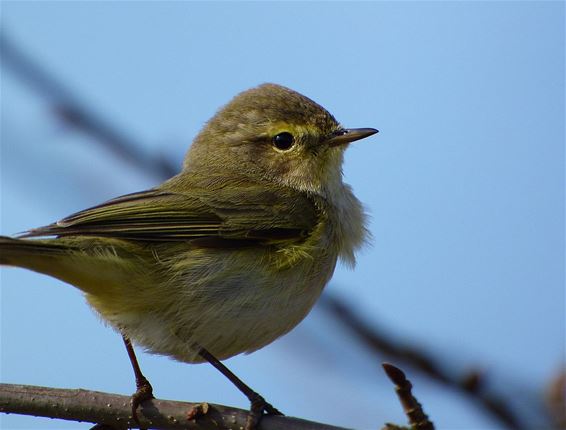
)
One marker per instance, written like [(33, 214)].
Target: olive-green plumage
[(229, 254)]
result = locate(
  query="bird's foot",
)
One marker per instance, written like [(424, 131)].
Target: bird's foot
[(258, 407), (144, 391)]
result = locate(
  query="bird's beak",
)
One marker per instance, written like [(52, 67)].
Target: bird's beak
[(347, 135)]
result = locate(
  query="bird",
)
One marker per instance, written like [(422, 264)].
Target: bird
[(224, 257)]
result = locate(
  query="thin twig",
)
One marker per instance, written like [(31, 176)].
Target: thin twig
[(114, 411), (418, 420), (76, 114), (470, 384)]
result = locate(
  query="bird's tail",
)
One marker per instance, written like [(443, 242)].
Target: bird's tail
[(90, 265), (29, 253)]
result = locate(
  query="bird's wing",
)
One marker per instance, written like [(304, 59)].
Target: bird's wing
[(251, 214)]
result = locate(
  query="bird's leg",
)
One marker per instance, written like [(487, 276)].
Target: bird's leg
[(144, 390), (258, 404)]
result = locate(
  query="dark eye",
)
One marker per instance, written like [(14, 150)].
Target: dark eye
[(283, 141)]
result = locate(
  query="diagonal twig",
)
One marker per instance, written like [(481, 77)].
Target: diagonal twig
[(75, 113), (471, 384)]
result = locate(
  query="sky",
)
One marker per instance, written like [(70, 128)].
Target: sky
[(464, 186)]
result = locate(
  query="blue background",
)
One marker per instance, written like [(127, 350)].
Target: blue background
[(464, 184)]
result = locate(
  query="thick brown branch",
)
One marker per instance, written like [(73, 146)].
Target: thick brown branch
[(114, 411)]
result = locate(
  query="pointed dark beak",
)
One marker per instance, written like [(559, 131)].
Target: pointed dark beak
[(348, 135)]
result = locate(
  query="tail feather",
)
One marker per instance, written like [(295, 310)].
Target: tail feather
[(95, 267), (22, 252)]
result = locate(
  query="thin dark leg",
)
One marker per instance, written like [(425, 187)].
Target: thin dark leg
[(144, 391), (258, 403)]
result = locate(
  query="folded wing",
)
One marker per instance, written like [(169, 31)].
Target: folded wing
[(253, 213)]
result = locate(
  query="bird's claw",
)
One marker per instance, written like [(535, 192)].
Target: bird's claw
[(258, 407), (144, 391)]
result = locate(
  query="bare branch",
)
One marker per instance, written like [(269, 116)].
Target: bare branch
[(114, 411), (76, 114), (470, 384), (418, 420)]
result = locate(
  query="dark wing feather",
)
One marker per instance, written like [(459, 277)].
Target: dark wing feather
[(200, 214)]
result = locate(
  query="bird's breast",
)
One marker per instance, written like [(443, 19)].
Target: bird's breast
[(238, 299)]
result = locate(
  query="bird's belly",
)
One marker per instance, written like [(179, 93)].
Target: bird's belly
[(228, 304)]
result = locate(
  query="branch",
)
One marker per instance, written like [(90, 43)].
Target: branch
[(114, 411), (471, 384), (77, 114), (418, 420)]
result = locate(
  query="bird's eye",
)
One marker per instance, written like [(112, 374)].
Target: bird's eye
[(283, 141)]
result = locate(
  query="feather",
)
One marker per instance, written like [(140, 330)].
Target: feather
[(213, 215)]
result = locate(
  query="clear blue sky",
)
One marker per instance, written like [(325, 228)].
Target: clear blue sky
[(464, 184)]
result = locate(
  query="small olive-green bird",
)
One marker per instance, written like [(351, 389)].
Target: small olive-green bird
[(229, 254)]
